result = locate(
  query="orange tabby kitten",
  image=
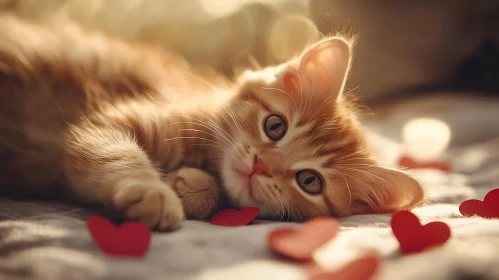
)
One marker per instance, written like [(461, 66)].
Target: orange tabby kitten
[(135, 129)]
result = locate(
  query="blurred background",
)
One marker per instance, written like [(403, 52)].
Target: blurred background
[(429, 57)]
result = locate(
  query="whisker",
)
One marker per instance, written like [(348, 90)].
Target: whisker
[(349, 192), (213, 124), (284, 207), (359, 151), (273, 207), (271, 193), (325, 103), (350, 90), (357, 164), (292, 99), (236, 119), (366, 172), (301, 85), (200, 113), (310, 93), (311, 97), (199, 78), (353, 159), (233, 121), (205, 126), (181, 88), (288, 211), (192, 137), (371, 201), (201, 131)]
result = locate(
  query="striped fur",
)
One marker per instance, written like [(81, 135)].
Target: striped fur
[(143, 132)]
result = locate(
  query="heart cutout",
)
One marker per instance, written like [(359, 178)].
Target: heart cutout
[(488, 208), (131, 239), (409, 163), (300, 244), (362, 268), (414, 237), (232, 218)]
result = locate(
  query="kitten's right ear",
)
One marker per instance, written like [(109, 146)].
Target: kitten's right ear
[(322, 68), (382, 190)]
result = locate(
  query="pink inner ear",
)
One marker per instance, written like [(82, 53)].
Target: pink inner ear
[(290, 82)]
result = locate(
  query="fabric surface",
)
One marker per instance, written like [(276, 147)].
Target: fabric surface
[(48, 240)]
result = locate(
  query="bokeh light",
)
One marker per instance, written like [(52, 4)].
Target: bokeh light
[(290, 35), (426, 139), (219, 8), (224, 34)]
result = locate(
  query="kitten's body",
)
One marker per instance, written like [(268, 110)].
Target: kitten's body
[(140, 131)]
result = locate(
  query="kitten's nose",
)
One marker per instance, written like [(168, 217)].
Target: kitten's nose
[(260, 168)]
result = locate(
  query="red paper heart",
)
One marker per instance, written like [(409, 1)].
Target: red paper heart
[(407, 162), (300, 244), (131, 239), (232, 218), (489, 208), (360, 269), (413, 237)]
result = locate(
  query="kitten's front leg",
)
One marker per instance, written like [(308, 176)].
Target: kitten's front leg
[(200, 194), (107, 166)]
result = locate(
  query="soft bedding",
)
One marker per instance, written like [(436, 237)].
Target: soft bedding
[(49, 240)]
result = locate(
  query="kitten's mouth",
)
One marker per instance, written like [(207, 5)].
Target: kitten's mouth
[(246, 179)]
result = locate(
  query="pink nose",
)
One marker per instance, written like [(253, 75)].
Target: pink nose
[(260, 168)]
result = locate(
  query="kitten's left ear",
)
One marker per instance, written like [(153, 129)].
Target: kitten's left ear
[(325, 65)]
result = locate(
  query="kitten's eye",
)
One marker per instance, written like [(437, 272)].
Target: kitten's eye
[(309, 181), (275, 127)]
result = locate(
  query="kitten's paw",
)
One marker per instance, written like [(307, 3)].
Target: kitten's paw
[(152, 203), (200, 194)]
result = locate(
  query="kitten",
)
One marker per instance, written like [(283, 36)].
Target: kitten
[(140, 131)]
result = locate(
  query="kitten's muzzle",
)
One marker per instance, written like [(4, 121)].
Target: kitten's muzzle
[(260, 168)]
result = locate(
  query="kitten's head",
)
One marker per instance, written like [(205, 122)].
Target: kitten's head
[(297, 148)]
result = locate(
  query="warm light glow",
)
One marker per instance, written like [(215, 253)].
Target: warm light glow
[(426, 139), (218, 8), (351, 244), (254, 270), (290, 35), (472, 159)]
